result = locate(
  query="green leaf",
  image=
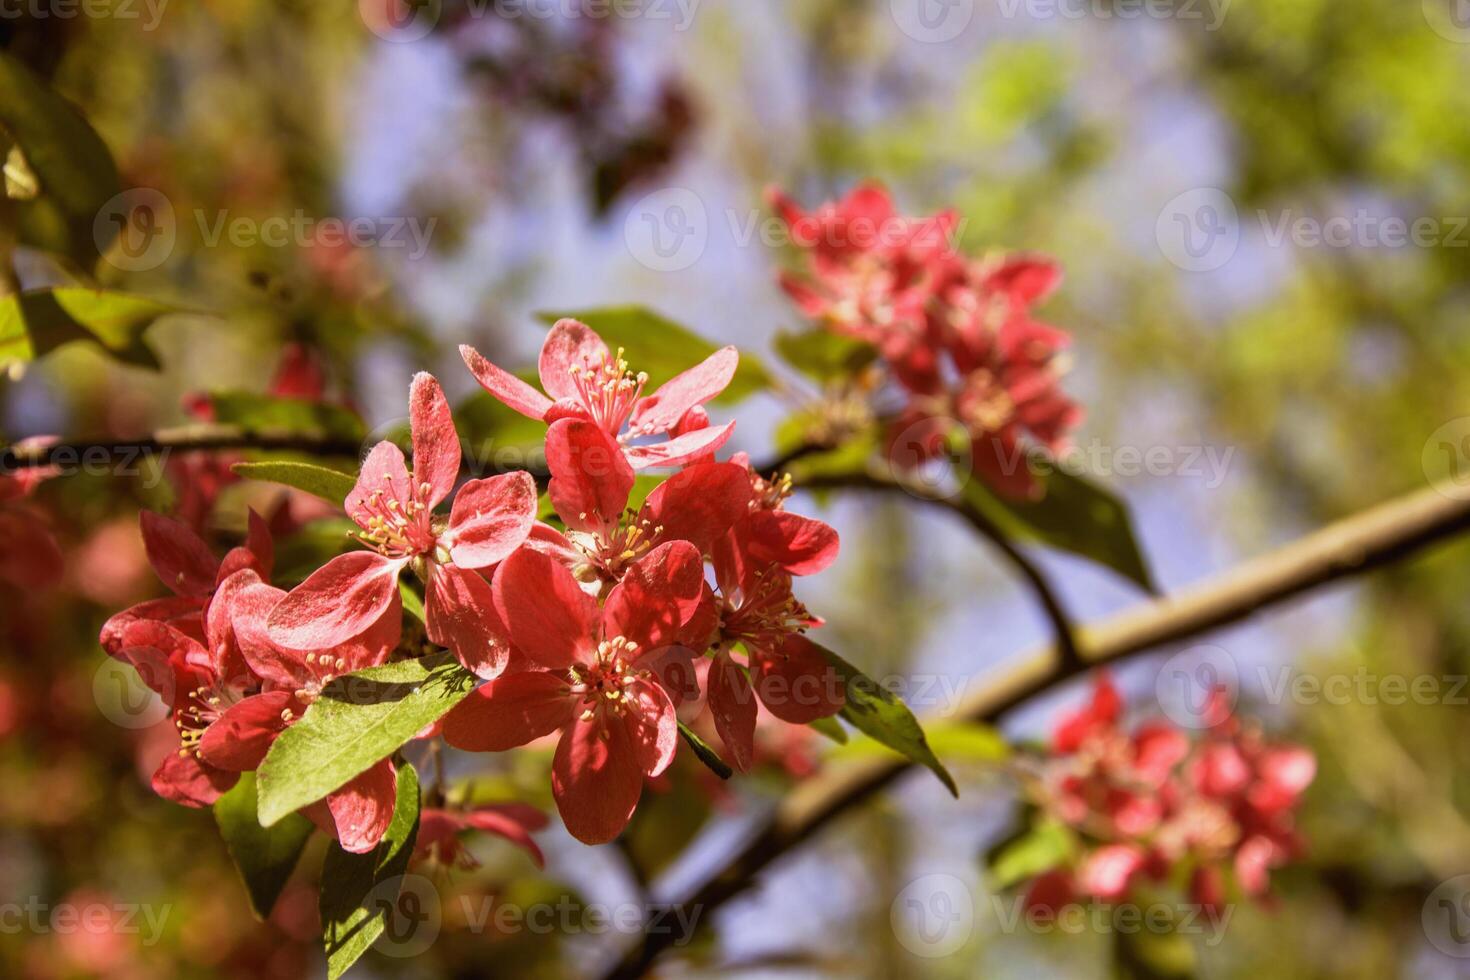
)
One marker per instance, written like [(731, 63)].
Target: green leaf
[(1074, 515), (265, 856), (878, 713), (359, 720), (663, 348), (1043, 847), (969, 741), (36, 322), (254, 411), (707, 755), (72, 166), (358, 889), (330, 485), (830, 728), (824, 355), (412, 604)]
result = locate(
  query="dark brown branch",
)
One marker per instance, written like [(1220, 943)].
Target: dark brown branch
[(1374, 538), (190, 438)]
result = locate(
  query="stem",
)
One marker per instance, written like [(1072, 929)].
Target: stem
[(1379, 536), (1046, 595)]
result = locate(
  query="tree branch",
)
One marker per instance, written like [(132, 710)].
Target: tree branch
[(1051, 604), (188, 438), (1376, 537)]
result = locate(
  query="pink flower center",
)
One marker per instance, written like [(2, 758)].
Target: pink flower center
[(983, 404), (398, 528), (608, 390), (611, 551), (769, 494)]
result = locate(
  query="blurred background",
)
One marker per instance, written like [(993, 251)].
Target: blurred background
[(1261, 207)]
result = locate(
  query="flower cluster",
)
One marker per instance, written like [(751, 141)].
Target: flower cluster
[(597, 625), (1155, 805), (956, 334)]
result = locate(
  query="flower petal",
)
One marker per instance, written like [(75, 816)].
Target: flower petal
[(549, 617), (460, 614), (801, 545), (251, 611), (657, 595), (569, 344), (363, 808), (701, 503), (490, 519), (182, 560), (219, 625), (681, 449), (186, 779), (514, 822), (240, 737), (732, 705), (340, 600), (662, 410), (796, 682), (180, 612), (596, 779), (590, 479), (384, 473), (652, 727), (509, 712), (506, 387), (436, 452)]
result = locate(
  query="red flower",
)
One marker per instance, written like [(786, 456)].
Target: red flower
[(439, 832), (800, 545), (186, 647), (789, 673), (593, 680), (358, 814), (394, 508), (956, 335), (584, 380), (590, 485), (1149, 800)]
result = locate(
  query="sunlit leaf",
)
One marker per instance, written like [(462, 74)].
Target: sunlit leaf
[(330, 485), (358, 890), (824, 355), (255, 411), (36, 322), (358, 720), (1031, 853), (878, 713)]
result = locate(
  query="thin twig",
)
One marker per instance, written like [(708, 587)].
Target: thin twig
[(1051, 604), (1379, 536)]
